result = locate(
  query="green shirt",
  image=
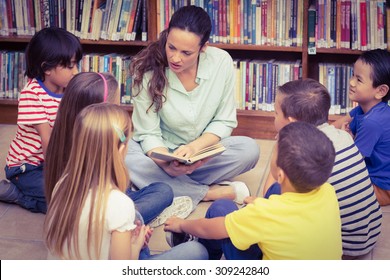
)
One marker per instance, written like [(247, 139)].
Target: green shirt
[(185, 116)]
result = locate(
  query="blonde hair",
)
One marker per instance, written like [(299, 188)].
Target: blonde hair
[(95, 165)]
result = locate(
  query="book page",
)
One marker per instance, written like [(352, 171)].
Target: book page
[(213, 150)]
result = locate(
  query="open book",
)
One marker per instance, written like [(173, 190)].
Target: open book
[(210, 151)]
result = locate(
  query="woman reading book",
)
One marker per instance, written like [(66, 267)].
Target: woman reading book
[(183, 103)]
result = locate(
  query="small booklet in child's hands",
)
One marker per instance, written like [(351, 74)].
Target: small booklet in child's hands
[(210, 151)]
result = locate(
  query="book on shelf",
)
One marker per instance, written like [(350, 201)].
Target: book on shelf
[(114, 20), (137, 21), (207, 152), (106, 18), (130, 23), (144, 22), (311, 29), (123, 20)]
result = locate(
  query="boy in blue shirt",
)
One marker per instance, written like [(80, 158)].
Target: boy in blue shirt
[(369, 122)]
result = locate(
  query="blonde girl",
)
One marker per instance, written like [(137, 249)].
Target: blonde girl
[(90, 216)]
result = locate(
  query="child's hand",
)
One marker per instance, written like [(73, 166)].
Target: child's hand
[(148, 235), (148, 232), (173, 224), (138, 236), (345, 127), (249, 199)]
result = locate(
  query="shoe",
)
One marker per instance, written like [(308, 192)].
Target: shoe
[(180, 207), (8, 192), (240, 188), (173, 238)]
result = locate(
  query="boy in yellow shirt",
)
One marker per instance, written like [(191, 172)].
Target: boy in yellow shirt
[(301, 223)]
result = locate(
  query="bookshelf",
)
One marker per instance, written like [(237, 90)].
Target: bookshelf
[(253, 123)]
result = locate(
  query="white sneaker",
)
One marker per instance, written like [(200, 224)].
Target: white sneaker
[(180, 207), (240, 188)]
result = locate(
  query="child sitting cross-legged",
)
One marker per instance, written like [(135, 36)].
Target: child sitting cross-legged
[(301, 223)]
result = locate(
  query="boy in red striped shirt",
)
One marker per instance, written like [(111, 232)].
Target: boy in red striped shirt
[(52, 58)]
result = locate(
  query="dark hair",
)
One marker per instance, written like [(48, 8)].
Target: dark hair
[(154, 58), (305, 154), (84, 89), (305, 100), (379, 60), (49, 48)]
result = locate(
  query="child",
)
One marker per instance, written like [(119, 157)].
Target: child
[(369, 121), (88, 88), (89, 216), (309, 101), (302, 223), (52, 56)]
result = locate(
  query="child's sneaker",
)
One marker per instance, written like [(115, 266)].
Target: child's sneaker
[(173, 238), (180, 207), (8, 192)]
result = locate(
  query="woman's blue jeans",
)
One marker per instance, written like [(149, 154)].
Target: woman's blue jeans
[(151, 200)]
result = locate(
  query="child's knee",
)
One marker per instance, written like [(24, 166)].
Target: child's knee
[(221, 208)]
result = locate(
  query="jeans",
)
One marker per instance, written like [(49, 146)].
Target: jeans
[(241, 155), (186, 251), (29, 182), (151, 200), (215, 248), (273, 189)]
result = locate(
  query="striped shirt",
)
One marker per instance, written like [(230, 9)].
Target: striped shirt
[(37, 105), (361, 215)]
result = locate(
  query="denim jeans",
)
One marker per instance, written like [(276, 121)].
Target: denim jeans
[(29, 181), (241, 155), (186, 251), (151, 200), (215, 248), (275, 188)]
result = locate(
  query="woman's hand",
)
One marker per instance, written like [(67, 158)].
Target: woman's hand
[(185, 151), (175, 168)]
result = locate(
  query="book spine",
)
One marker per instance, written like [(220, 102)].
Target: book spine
[(123, 20), (311, 30), (344, 92), (215, 17), (137, 20), (144, 26), (133, 9), (363, 25), (338, 89), (331, 87), (105, 20)]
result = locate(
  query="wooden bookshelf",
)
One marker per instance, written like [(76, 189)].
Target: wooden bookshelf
[(256, 124)]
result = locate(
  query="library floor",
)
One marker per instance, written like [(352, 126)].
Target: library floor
[(21, 231)]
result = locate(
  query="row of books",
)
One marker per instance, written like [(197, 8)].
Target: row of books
[(256, 22), (335, 77), (255, 87), (350, 24), (88, 19), (13, 67), (257, 81)]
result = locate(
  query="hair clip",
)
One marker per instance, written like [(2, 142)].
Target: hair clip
[(120, 133)]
